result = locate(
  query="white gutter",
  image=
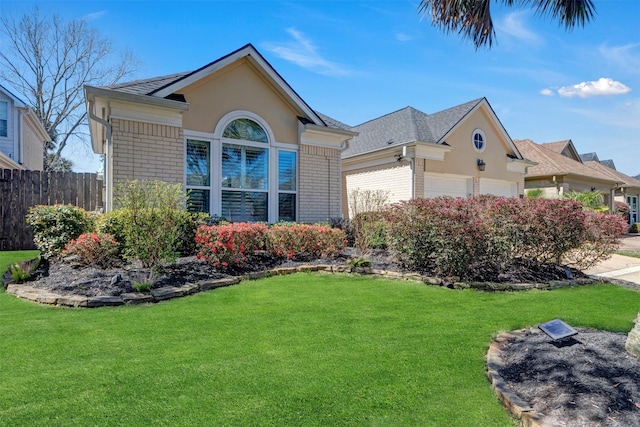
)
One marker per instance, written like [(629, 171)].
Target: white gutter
[(107, 178)]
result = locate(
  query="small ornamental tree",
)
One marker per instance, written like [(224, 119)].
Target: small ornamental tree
[(151, 220)]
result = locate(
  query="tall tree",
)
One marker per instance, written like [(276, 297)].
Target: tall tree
[(472, 18), (49, 61)]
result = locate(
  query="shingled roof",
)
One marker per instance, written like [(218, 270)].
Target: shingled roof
[(552, 163), (621, 178), (405, 126)]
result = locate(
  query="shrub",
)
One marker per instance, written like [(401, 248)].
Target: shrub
[(151, 218), (306, 241), (365, 208), (447, 236), (478, 237), (55, 226), (635, 228), (602, 238), (230, 245), (93, 248), (622, 208), (188, 223)]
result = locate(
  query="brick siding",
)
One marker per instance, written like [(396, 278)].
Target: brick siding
[(147, 151), (320, 189)]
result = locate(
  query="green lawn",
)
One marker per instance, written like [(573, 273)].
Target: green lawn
[(306, 349), (11, 257)]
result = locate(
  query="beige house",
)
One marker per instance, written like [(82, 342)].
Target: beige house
[(560, 170), (233, 133), (462, 151), (22, 135)]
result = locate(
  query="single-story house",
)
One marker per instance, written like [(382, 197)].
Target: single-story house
[(244, 144), (628, 189), (560, 170), (22, 135), (462, 151)]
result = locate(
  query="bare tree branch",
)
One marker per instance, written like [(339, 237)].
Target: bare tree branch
[(50, 61)]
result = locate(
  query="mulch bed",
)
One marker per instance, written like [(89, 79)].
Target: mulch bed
[(586, 380)]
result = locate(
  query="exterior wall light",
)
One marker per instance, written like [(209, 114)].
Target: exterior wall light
[(481, 165)]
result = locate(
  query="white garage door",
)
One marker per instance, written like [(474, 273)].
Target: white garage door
[(498, 188), (436, 185)]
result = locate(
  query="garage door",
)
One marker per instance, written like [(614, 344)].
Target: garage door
[(498, 188), (436, 185)]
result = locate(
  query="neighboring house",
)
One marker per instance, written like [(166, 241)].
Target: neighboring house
[(560, 170), (234, 133), (22, 135), (462, 151), (627, 190)]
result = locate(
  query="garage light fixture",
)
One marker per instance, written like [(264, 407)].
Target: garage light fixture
[(481, 165)]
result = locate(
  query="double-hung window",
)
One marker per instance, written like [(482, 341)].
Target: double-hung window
[(198, 170)]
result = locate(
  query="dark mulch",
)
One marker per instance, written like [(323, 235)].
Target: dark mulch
[(586, 380)]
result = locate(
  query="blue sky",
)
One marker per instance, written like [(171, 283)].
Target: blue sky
[(358, 60)]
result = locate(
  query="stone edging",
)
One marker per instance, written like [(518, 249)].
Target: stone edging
[(518, 407), (44, 296)]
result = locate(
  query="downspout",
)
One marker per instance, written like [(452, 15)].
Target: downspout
[(21, 138), (107, 178)]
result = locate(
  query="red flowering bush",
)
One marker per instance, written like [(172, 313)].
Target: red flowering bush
[(92, 248), (230, 245), (304, 241)]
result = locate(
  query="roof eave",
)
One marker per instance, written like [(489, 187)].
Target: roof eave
[(92, 92)]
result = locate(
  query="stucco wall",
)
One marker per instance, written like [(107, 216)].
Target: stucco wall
[(239, 87), (463, 159), (320, 190), (146, 151)]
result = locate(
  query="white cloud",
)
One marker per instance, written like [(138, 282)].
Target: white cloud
[(301, 51), (514, 25), (95, 15), (547, 92), (603, 86)]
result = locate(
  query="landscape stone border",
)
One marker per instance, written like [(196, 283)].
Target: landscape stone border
[(514, 404), (45, 296)]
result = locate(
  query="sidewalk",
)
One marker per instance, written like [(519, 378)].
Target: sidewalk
[(619, 266)]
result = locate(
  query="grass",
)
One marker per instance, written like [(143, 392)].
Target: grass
[(629, 252), (306, 349), (7, 258)]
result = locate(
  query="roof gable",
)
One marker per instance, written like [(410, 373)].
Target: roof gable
[(566, 148), (16, 100), (409, 125), (550, 163), (167, 86)]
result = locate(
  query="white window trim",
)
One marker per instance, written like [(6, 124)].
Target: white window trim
[(473, 142), (216, 142)]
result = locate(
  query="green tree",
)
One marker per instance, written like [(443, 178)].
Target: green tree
[(472, 18), (591, 200)]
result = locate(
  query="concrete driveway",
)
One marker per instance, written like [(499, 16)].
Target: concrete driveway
[(619, 266)]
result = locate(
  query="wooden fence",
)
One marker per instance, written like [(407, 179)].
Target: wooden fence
[(19, 190)]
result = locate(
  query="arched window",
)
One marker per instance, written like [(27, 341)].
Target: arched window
[(245, 129), (241, 172)]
